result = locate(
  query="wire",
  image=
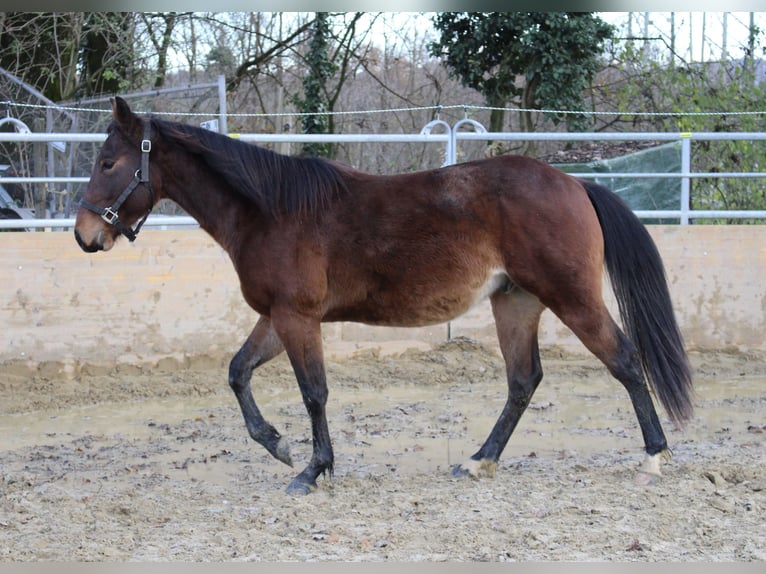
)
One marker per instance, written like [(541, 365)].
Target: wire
[(438, 108)]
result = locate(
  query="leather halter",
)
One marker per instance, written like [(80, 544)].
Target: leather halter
[(109, 214)]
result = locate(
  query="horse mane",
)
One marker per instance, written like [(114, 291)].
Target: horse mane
[(278, 184)]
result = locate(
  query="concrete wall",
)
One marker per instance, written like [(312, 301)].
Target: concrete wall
[(174, 294)]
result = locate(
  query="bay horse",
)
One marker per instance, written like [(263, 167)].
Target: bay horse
[(313, 240)]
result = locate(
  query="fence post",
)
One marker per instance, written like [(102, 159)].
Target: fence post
[(40, 165), (223, 127), (686, 169)]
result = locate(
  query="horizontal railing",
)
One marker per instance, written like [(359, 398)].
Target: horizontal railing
[(450, 139)]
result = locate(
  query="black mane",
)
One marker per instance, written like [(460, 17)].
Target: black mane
[(278, 184)]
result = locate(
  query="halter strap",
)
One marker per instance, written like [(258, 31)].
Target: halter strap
[(110, 214)]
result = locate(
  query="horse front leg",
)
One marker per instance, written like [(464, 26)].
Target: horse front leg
[(261, 346), (302, 339)]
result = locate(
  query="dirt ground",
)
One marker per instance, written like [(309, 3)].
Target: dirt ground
[(152, 462)]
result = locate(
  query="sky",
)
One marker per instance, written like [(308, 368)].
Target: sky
[(692, 27)]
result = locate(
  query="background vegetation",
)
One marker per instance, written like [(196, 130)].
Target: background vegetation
[(280, 65)]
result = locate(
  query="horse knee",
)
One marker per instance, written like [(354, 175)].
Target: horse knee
[(240, 371), (261, 346), (536, 375)]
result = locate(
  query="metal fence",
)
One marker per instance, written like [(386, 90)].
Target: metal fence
[(449, 137)]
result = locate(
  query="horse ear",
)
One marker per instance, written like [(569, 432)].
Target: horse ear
[(125, 117), (120, 109)]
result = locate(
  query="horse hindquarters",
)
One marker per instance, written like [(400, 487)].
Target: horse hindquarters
[(559, 262)]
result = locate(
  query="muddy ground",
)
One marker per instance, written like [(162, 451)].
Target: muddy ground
[(152, 462)]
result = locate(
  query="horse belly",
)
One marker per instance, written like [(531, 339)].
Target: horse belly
[(445, 306), (417, 306)]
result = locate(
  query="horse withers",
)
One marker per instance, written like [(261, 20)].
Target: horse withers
[(313, 241)]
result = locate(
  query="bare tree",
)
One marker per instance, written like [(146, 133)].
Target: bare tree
[(42, 49), (160, 27)]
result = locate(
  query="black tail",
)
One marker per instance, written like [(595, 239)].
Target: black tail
[(638, 280)]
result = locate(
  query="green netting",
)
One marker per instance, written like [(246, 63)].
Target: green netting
[(640, 193)]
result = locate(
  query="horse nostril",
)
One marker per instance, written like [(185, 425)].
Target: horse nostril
[(84, 246), (79, 239)]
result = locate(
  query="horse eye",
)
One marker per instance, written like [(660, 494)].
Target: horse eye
[(107, 164)]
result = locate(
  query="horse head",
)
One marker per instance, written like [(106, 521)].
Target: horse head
[(120, 194)]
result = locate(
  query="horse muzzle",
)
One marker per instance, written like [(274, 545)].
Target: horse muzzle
[(100, 241)]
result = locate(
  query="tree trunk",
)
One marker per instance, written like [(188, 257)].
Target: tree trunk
[(496, 117), (526, 114)]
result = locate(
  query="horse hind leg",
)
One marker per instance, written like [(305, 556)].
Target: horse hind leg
[(625, 366), (517, 317), (595, 327), (261, 346)]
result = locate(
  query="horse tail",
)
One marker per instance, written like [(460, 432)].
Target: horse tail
[(638, 279)]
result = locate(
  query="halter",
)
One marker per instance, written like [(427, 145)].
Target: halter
[(109, 214)]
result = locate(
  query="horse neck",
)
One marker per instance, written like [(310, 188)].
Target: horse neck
[(203, 194)]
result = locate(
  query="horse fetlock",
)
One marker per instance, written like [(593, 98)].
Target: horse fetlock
[(306, 481), (476, 468), (649, 472)]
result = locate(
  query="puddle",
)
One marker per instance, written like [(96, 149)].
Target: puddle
[(412, 428), (111, 420)]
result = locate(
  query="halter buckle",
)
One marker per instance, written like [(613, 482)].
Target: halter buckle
[(109, 215), (146, 146)]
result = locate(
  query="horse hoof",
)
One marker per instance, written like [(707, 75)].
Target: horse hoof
[(475, 468), (300, 488), (646, 478), (458, 471), (282, 452)]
